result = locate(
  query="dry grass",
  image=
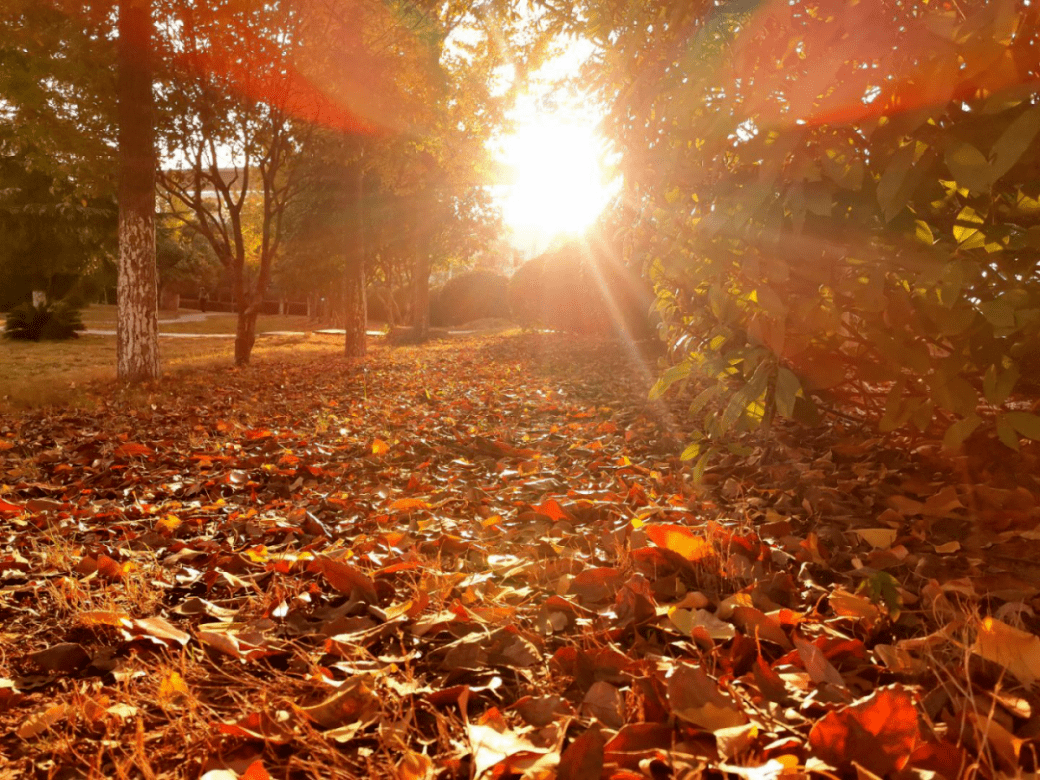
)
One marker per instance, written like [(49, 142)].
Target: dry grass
[(45, 373)]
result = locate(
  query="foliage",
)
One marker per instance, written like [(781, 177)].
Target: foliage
[(50, 231), (473, 295), (826, 221), (43, 323)]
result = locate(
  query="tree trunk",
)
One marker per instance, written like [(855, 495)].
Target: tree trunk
[(245, 335), (421, 296), (355, 309), (137, 339)]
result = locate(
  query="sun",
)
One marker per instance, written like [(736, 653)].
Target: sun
[(559, 184)]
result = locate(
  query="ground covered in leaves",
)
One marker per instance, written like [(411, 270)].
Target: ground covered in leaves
[(484, 558)]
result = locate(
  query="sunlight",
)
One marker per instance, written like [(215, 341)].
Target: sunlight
[(560, 186)]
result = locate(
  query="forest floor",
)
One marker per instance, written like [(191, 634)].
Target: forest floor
[(484, 558)]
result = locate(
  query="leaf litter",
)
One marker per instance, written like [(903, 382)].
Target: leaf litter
[(485, 558)]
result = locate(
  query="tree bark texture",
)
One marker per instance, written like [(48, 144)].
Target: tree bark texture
[(355, 302), (137, 339), (245, 335), (421, 295), (355, 309)]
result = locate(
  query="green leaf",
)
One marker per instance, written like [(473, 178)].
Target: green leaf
[(1025, 423), (999, 313), (960, 430), (692, 451), (1006, 433), (923, 232), (969, 167), (672, 375), (705, 396), (700, 467), (997, 385), (890, 190), (787, 389), (1014, 141)]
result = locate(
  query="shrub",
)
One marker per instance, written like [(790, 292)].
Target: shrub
[(570, 289), (35, 323), (473, 295)]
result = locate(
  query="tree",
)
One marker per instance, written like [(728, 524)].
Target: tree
[(833, 217), (137, 330), (57, 89)]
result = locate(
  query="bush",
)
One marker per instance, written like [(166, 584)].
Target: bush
[(472, 295), (35, 323), (570, 289)]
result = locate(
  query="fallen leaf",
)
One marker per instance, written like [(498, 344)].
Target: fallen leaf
[(67, 657), (583, 758), (1015, 650), (696, 698), (879, 732), (681, 540)]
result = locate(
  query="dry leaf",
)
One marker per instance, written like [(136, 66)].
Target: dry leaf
[(1015, 650)]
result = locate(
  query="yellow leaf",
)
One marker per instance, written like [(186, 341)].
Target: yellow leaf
[(173, 688), (1017, 651)]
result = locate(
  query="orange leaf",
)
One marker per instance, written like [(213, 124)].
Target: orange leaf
[(379, 447), (879, 732), (6, 507), (129, 450), (679, 539), (408, 505), (583, 757), (347, 578), (552, 509), (255, 771)]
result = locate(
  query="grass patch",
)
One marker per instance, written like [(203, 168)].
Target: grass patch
[(104, 316), (46, 373), (228, 323)]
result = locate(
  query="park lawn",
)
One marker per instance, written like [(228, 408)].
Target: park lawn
[(103, 317), (228, 323), (55, 372)]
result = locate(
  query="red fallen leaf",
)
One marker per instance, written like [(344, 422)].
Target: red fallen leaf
[(552, 509), (6, 507), (255, 771), (258, 725), (597, 584), (641, 736), (879, 732), (130, 450), (943, 758), (583, 758), (347, 578), (679, 539)]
